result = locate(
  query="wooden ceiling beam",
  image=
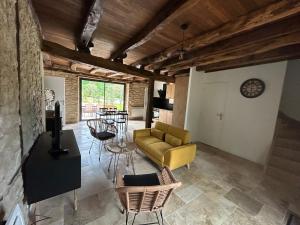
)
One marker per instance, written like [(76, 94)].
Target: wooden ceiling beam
[(266, 38), (269, 14), (257, 48), (90, 24), (87, 75), (58, 50), (115, 75), (171, 10), (285, 53)]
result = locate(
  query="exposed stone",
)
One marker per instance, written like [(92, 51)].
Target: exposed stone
[(136, 95), (12, 112)]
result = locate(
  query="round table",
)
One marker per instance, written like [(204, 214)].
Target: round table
[(117, 149)]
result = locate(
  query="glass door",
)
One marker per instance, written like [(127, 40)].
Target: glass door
[(98, 94)]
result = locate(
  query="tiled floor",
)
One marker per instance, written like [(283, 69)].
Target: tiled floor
[(217, 190)]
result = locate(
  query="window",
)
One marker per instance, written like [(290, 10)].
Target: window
[(99, 94)]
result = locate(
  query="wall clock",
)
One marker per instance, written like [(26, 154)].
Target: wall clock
[(252, 88)]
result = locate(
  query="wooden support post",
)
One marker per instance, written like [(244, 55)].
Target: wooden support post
[(149, 113)]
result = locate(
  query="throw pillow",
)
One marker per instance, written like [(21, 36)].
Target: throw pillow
[(172, 140), (157, 133)]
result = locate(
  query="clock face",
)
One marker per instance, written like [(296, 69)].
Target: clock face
[(252, 88)]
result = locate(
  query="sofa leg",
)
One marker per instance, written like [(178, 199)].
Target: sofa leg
[(188, 166)]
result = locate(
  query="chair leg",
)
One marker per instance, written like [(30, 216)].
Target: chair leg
[(100, 150), (162, 217), (127, 214), (133, 219), (91, 145), (188, 166), (157, 218), (111, 158)]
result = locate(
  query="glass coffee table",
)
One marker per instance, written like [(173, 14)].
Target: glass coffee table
[(118, 149)]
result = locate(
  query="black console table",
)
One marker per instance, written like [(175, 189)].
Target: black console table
[(46, 176)]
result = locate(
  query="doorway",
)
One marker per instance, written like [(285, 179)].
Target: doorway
[(57, 84), (96, 94), (211, 116)]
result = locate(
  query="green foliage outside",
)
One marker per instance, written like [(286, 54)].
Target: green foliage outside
[(102, 94)]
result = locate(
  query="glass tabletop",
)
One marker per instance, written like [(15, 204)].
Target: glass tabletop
[(121, 148)]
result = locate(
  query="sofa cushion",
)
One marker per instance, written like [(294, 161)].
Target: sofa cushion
[(172, 140), (161, 126), (184, 135), (157, 133), (145, 141), (157, 150)]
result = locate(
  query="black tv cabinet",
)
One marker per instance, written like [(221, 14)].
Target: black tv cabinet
[(46, 176)]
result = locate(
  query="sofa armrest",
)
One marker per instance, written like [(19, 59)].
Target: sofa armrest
[(180, 156), (141, 133)]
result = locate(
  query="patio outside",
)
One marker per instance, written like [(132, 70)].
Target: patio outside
[(97, 94)]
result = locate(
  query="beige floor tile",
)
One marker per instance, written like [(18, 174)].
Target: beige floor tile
[(199, 201), (247, 203), (241, 218)]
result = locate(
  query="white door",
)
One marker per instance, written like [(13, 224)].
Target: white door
[(211, 116), (57, 84)]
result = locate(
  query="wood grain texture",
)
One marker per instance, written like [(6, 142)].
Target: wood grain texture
[(263, 39), (56, 49), (169, 11), (91, 23), (180, 101), (271, 13), (247, 50), (285, 53)]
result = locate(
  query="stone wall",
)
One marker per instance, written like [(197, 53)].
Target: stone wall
[(21, 102), (72, 99), (71, 94), (31, 78), (136, 96)]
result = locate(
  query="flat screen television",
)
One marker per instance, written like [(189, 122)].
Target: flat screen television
[(56, 132)]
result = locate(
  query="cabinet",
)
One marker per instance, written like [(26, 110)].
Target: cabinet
[(165, 116), (170, 93)]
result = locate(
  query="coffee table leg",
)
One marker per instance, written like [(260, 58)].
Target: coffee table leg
[(116, 167), (111, 158), (132, 162)]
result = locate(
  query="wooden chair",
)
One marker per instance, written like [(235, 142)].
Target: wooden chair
[(139, 199)]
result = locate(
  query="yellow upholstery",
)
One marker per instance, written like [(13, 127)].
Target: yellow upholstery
[(157, 150), (184, 135), (141, 133), (157, 133), (162, 126), (163, 153), (179, 156), (145, 141), (172, 140)]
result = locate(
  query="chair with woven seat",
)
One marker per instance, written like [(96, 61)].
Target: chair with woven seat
[(146, 193), (101, 132)]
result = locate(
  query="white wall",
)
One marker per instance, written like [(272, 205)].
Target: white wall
[(248, 124), (290, 101), (157, 85), (58, 85)]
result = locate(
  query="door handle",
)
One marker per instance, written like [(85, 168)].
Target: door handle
[(220, 115)]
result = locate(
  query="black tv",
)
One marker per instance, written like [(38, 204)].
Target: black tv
[(56, 132)]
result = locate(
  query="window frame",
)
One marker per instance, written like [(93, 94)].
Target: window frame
[(98, 80)]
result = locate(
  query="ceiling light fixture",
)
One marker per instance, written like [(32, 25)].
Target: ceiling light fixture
[(182, 51)]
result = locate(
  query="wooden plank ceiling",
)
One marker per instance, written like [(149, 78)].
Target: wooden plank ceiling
[(219, 33)]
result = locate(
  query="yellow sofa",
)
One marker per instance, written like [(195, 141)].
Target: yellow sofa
[(166, 145)]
